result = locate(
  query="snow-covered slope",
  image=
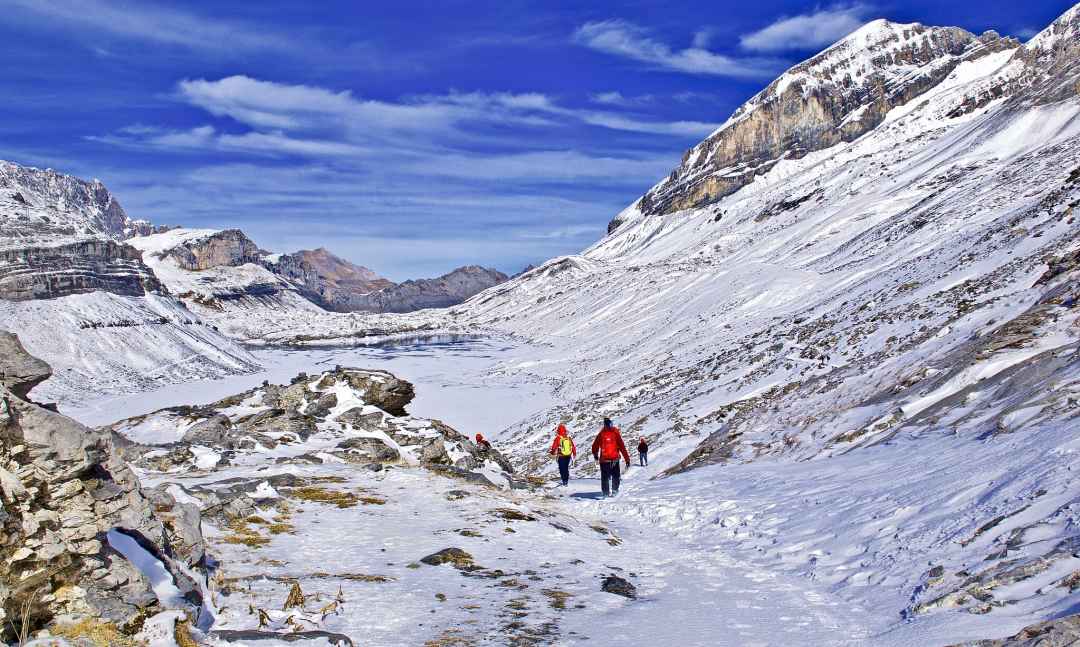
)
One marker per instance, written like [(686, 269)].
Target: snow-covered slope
[(228, 282), (836, 96), (82, 299), (39, 207), (102, 344), (863, 299)]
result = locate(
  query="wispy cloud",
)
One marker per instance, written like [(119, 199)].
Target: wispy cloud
[(616, 98), (313, 121), (544, 166), (1026, 33), (498, 165), (807, 31), (625, 39), (146, 21)]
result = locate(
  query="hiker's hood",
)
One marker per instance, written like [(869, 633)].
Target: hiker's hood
[(561, 431)]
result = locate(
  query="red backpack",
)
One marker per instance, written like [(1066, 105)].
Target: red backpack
[(609, 444)]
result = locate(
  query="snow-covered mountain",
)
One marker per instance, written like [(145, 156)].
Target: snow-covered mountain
[(836, 96), (263, 298), (41, 207), (328, 280), (80, 297), (449, 289), (871, 267)]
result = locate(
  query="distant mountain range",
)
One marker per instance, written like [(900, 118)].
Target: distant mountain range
[(116, 303)]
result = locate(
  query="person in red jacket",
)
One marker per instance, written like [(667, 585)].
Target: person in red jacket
[(606, 449), (482, 443), (563, 449)]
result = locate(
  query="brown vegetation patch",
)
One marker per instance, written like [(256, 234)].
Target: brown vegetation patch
[(94, 632), (557, 598), (318, 494), (511, 514)]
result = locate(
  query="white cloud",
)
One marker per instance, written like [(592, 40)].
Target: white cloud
[(617, 98), (621, 38), (620, 122), (1026, 33), (270, 106), (207, 138), (545, 166), (144, 21), (807, 31)]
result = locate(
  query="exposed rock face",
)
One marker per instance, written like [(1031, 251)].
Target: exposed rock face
[(1052, 61), (447, 290), (836, 96), (357, 416), (19, 371), (64, 487), (326, 279), (1063, 632), (39, 207), (227, 248), (75, 268)]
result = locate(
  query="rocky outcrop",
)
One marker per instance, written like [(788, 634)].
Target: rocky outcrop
[(19, 371), (327, 280), (1063, 632), (353, 415), (74, 268), (227, 248), (43, 207), (1051, 61), (836, 96), (447, 290), (64, 488)]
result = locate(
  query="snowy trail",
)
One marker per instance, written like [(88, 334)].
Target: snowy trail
[(691, 594)]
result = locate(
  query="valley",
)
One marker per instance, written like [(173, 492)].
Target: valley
[(848, 324)]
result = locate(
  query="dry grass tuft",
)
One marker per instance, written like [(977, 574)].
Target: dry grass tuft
[(93, 632), (295, 597), (182, 635), (557, 598), (451, 638), (511, 514), (244, 535), (319, 494)]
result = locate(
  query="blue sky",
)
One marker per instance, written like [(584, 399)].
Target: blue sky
[(411, 137)]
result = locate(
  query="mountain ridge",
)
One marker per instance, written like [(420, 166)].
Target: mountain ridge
[(835, 96)]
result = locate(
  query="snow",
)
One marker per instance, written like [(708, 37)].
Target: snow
[(484, 393), (858, 348), (160, 579), (102, 343)]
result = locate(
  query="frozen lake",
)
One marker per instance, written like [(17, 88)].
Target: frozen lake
[(459, 379)]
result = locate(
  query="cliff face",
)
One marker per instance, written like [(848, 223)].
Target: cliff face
[(65, 488), (447, 290), (836, 96), (227, 248), (39, 207), (326, 279), (75, 268), (1051, 61)]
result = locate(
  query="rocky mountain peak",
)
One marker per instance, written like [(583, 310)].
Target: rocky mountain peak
[(833, 97), (1050, 62), (1061, 33), (43, 207)]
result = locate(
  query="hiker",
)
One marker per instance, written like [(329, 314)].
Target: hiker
[(482, 443), (643, 452), (563, 449), (606, 449)]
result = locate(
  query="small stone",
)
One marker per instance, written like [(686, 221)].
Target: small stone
[(618, 586)]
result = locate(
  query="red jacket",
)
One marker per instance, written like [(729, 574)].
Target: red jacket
[(559, 433), (610, 441)]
